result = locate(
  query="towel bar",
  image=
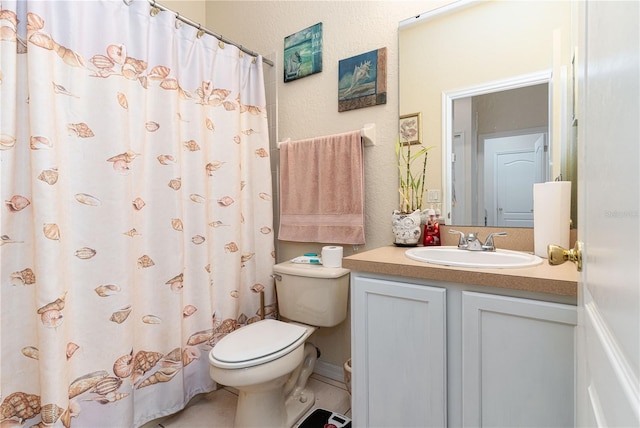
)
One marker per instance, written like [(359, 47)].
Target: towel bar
[(367, 133)]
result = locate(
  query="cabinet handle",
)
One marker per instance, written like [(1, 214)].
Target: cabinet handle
[(558, 255)]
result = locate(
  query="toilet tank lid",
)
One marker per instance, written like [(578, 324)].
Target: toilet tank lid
[(309, 270)]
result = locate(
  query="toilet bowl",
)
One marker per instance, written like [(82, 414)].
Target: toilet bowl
[(269, 361), (263, 375)]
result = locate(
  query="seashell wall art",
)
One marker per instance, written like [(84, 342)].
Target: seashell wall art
[(362, 80)]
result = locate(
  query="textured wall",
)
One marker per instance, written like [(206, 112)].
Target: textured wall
[(308, 107), (192, 9)]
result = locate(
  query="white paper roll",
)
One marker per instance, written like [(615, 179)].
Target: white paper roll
[(551, 215), (332, 256)]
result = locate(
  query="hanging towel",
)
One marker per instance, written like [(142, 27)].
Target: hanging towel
[(322, 190)]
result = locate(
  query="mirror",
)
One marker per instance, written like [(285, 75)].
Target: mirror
[(492, 82), (498, 143)]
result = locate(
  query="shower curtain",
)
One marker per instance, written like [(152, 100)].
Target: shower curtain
[(136, 216)]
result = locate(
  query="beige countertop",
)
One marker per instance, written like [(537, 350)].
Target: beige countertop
[(560, 280)]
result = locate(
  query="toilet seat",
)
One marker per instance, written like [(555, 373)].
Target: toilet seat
[(257, 343)]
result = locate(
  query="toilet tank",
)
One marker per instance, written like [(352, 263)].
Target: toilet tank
[(312, 294)]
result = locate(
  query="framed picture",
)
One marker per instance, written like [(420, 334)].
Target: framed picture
[(362, 80), (410, 128), (303, 53)]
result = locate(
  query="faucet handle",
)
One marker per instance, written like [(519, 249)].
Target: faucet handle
[(462, 243), (488, 244)]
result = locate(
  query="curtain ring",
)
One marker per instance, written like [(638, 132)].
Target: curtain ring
[(200, 32), (154, 10), (178, 23)]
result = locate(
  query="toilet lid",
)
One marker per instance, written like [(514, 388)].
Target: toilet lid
[(256, 341)]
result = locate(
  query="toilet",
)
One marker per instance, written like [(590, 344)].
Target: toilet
[(269, 361)]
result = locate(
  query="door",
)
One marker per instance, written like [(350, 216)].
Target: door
[(517, 362), (462, 198), (608, 354), (398, 354), (513, 204), (512, 165)]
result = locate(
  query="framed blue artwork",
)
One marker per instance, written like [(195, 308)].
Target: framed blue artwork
[(362, 80), (303, 53)]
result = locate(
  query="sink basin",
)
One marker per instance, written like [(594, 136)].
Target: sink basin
[(453, 256)]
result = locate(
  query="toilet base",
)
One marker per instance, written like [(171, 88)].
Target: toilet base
[(298, 406), (268, 410), (281, 402)]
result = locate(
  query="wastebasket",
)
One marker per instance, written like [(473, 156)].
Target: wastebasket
[(347, 375)]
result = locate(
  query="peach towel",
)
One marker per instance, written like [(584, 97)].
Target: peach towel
[(322, 190)]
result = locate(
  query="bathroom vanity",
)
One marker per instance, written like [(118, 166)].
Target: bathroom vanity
[(444, 346)]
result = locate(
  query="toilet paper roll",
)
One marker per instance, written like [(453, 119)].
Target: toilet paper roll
[(332, 256), (551, 215)]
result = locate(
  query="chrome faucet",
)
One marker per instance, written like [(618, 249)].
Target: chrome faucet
[(488, 244), (471, 241), (462, 243)]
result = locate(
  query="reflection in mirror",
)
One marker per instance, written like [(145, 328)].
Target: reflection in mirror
[(499, 149), (454, 63)]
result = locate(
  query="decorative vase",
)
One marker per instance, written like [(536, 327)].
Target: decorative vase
[(406, 228)]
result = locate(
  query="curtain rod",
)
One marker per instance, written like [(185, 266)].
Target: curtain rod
[(155, 4)]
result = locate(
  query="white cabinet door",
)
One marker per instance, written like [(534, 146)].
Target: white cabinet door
[(518, 359), (398, 354)]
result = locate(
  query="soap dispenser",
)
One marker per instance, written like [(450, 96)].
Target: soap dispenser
[(431, 231)]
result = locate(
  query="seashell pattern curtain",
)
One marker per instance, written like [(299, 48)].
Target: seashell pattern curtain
[(136, 217)]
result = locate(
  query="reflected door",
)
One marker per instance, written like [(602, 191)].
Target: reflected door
[(515, 175), (512, 165)]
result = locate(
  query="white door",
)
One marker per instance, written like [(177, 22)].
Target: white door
[(608, 390), (462, 196), (518, 362), (512, 165), (398, 354), (513, 204)]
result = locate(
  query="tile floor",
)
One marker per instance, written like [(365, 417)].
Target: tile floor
[(217, 409)]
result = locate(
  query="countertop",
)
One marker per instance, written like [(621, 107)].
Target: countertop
[(559, 280)]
